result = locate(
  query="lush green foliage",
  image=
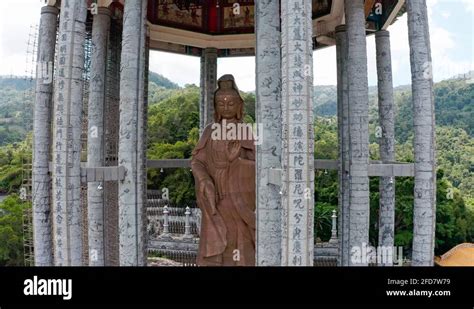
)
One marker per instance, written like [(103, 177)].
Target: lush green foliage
[(179, 182), (170, 120), (16, 104), (453, 106), (455, 220), (11, 231), (16, 116), (455, 156), (12, 158)]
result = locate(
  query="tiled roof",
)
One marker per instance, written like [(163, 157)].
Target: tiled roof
[(461, 255)]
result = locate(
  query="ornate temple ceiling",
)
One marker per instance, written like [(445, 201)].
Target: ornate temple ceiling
[(216, 17), (188, 26)]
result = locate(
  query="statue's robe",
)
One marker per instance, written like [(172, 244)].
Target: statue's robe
[(228, 236)]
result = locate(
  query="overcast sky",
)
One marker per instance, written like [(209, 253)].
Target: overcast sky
[(451, 30)]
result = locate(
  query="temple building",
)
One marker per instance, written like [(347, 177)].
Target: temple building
[(90, 121)]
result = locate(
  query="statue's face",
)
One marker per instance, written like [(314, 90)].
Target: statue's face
[(227, 105)]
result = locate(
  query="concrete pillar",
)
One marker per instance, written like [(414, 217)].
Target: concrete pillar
[(387, 140), (142, 145), (68, 98), (95, 141), (268, 112), (298, 134), (358, 131), (343, 139), (208, 86), (131, 155), (42, 137), (111, 130), (424, 214)]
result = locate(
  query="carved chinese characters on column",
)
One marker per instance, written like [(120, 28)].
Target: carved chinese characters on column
[(68, 96), (60, 154), (298, 166), (268, 113)]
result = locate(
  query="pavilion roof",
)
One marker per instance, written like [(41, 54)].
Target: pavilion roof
[(188, 26), (461, 255)]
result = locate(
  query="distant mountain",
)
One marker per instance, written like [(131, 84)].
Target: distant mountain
[(16, 103), (325, 100), (161, 81), (454, 107), (22, 84), (16, 83), (469, 76), (454, 104)]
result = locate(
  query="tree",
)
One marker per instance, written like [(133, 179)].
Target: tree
[(11, 230), (170, 120), (179, 182), (11, 164)]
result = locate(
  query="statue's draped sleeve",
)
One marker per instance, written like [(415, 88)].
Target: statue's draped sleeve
[(242, 186), (213, 231)]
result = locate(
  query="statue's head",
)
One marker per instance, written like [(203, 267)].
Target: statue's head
[(228, 104)]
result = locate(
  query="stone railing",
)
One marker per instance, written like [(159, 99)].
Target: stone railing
[(173, 221), (173, 233)]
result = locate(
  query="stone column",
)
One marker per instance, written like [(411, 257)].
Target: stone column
[(268, 111), (131, 154), (68, 98), (95, 141), (387, 141), (42, 137), (343, 139), (142, 146), (208, 86), (358, 131), (424, 214), (111, 130), (298, 134)]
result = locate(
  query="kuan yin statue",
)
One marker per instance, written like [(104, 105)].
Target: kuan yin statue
[(224, 173)]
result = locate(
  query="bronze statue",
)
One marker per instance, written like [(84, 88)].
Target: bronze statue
[(224, 173)]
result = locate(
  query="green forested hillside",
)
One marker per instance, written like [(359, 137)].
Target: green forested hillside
[(161, 81), (16, 104), (454, 105)]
